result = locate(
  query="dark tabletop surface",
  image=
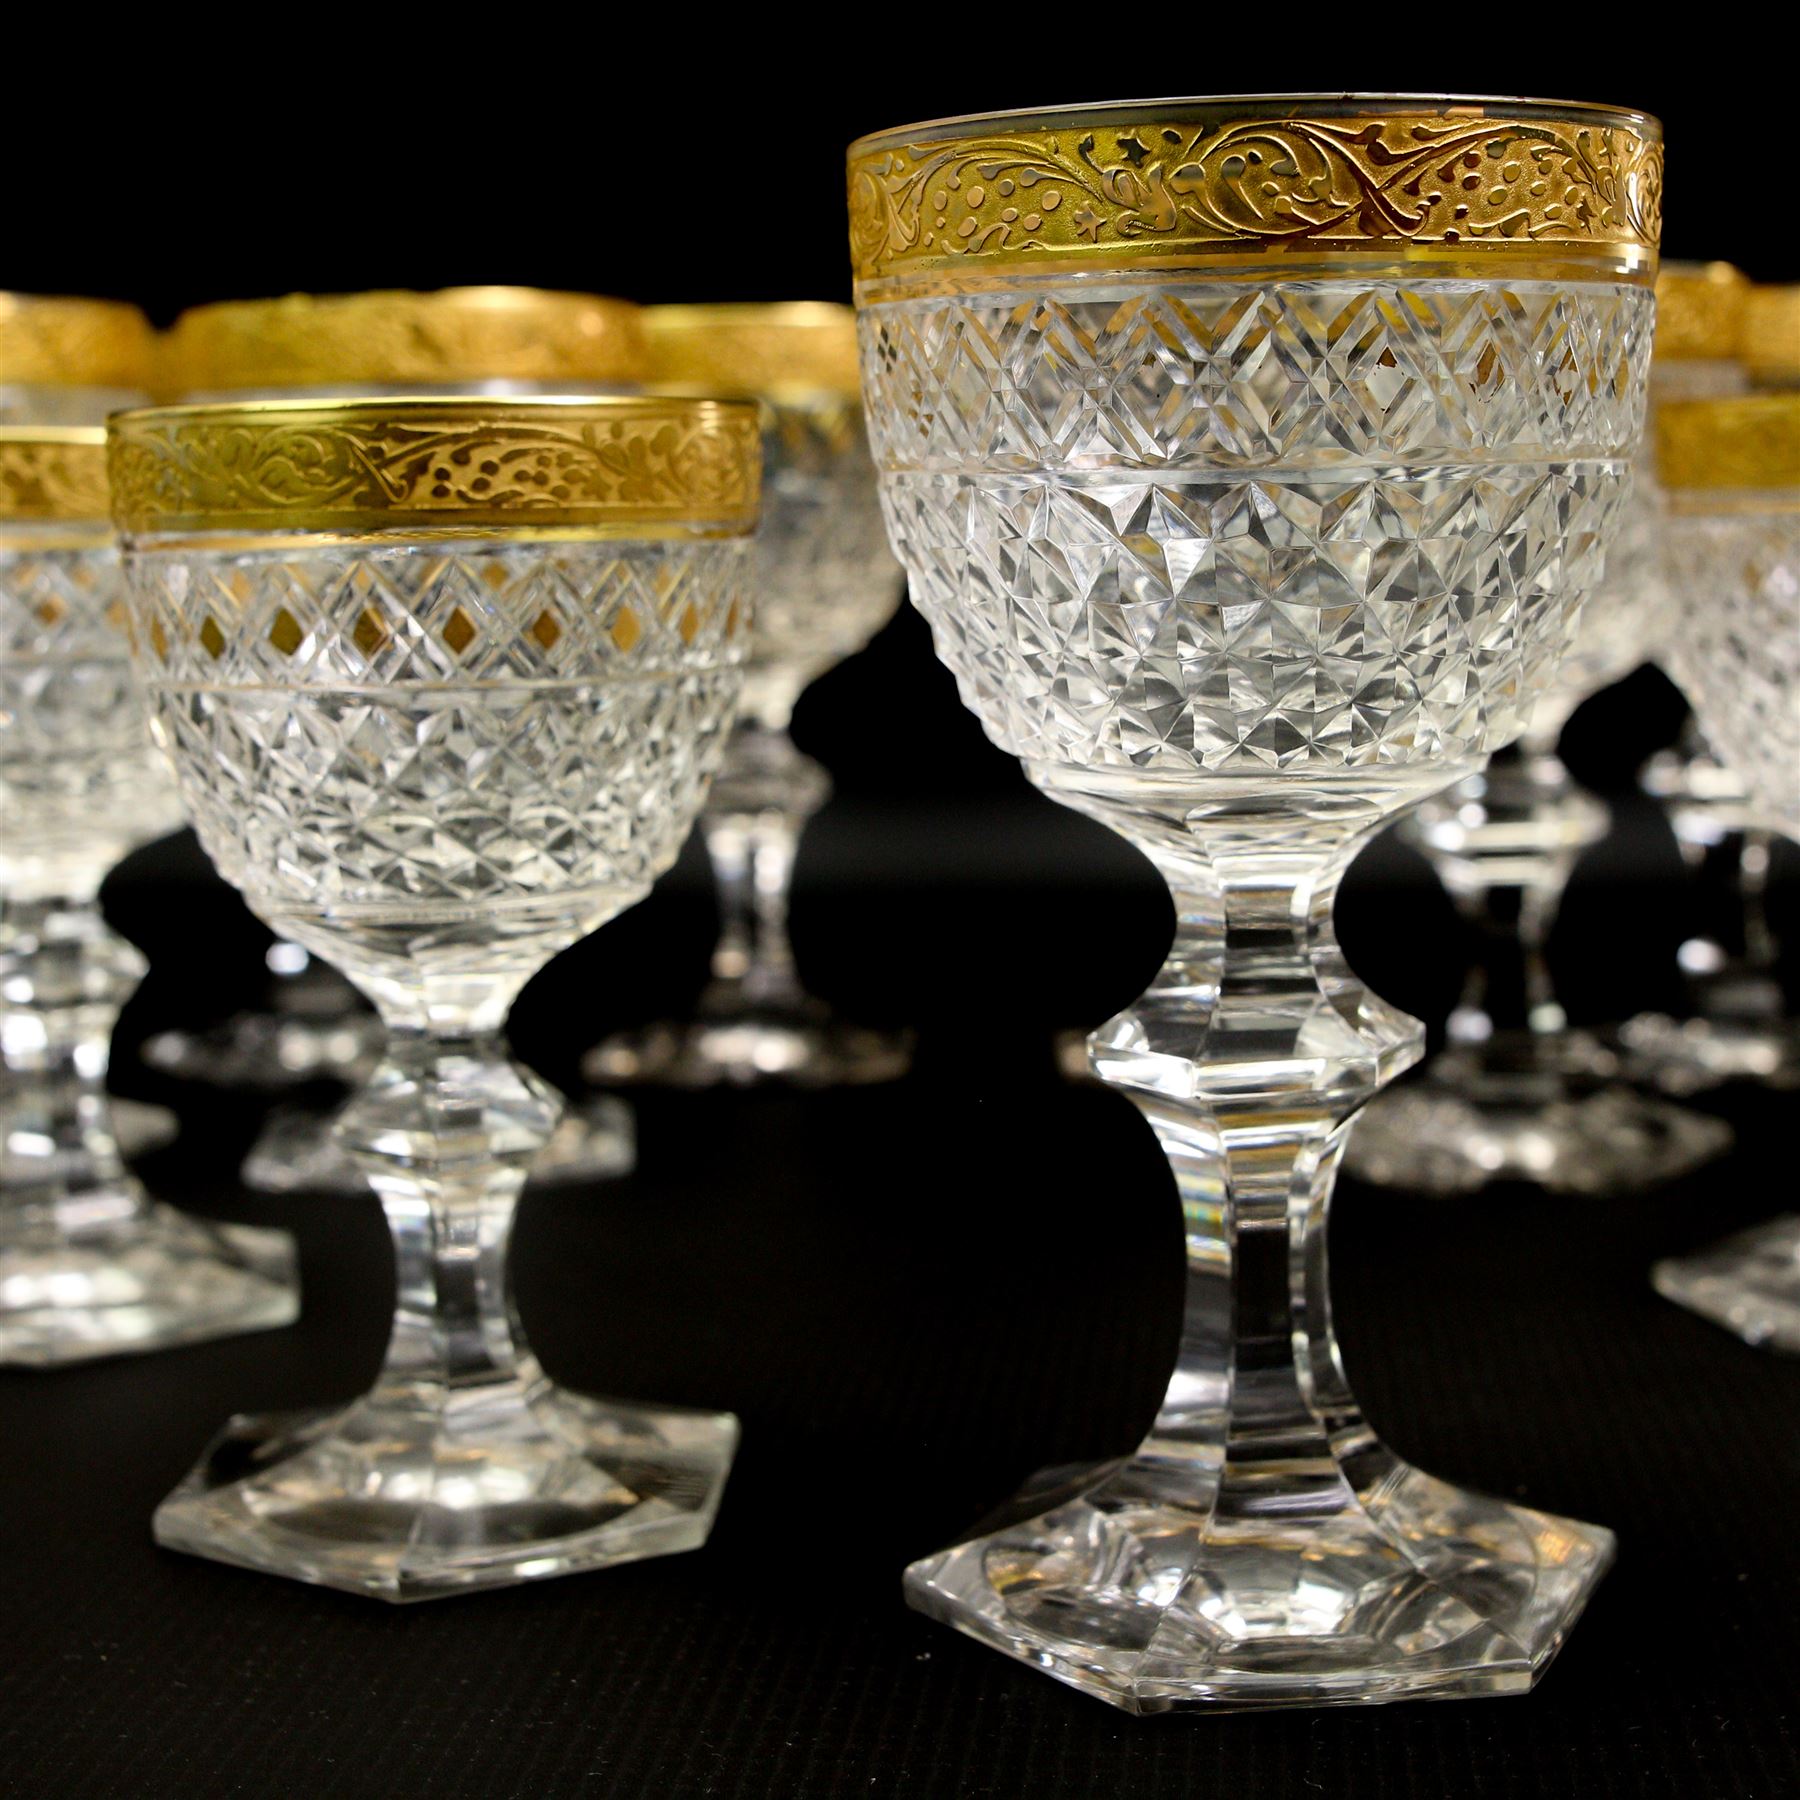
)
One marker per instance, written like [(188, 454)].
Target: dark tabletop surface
[(913, 1296)]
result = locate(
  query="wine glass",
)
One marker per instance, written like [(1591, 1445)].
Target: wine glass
[(476, 340), (1250, 459), (1518, 1093), (1716, 335), (71, 361), (825, 584), (1731, 469), (90, 1265), (443, 682)]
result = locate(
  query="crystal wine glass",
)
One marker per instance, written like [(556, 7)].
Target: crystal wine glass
[(443, 682), (1249, 459), (71, 361), (1731, 469), (1715, 334), (825, 584), (487, 340), (89, 1264), (1518, 1093)]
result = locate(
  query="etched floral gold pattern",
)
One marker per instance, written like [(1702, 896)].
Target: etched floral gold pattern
[(52, 473), (637, 464), (1140, 191)]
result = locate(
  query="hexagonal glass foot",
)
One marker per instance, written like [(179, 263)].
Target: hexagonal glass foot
[(1750, 1284), (151, 1280), (403, 1497), (1116, 1584)]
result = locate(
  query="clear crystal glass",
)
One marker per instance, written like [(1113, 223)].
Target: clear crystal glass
[(311, 1026), (1243, 567), (89, 1264), (1518, 1093), (436, 762), (1737, 658), (825, 583)]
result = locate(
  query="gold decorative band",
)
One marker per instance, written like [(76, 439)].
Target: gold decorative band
[(1748, 441), (1770, 333), (53, 473), (1107, 186), (794, 350), (1699, 309), (362, 340), (57, 342), (652, 466)]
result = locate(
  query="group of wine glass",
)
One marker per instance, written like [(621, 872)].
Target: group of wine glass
[(1250, 508)]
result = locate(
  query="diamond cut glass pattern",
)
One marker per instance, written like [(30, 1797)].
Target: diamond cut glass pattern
[(1244, 567), (390, 743), (1225, 526), (90, 1266)]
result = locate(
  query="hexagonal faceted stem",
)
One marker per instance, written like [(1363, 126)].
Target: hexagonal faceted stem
[(1262, 1547), (464, 1466)]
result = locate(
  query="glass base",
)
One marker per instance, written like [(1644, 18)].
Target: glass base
[(1524, 1110), (804, 1046), (269, 1051), (1750, 1284), (1689, 1056), (403, 1497), (139, 1128), (594, 1140), (154, 1280), (1414, 1591)]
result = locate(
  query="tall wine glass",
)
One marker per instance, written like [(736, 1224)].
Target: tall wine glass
[(1249, 459), (89, 1264), (312, 1027), (825, 584), (71, 361), (1518, 1093), (1732, 472), (1717, 334), (443, 682)]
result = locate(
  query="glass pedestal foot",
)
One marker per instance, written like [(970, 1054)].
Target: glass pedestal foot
[(1516, 1110), (1750, 1284), (594, 1140), (1689, 1056), (150, 1280), (405, 1497), (1123, 1583), (802, 1044)]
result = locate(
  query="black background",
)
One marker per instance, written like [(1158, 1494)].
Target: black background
[(911, 1296)]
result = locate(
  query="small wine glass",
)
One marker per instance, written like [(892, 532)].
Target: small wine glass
[(71, 361), (1731, 470), (89, 1265), (825, 584), (443, 682), (314, 1027), (1249, 459)]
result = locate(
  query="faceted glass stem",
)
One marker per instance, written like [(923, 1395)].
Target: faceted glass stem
[(89, 1264), (1262, 1547), (755, 1021), (464, 1466), (751, 822)]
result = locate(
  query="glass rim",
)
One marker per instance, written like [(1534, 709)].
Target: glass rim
[(784, 351), (619, 462), (74, 341), (53, 473), (1196, 108), (495, 331)]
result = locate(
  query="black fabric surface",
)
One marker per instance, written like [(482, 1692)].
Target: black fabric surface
[(914, 1296)]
